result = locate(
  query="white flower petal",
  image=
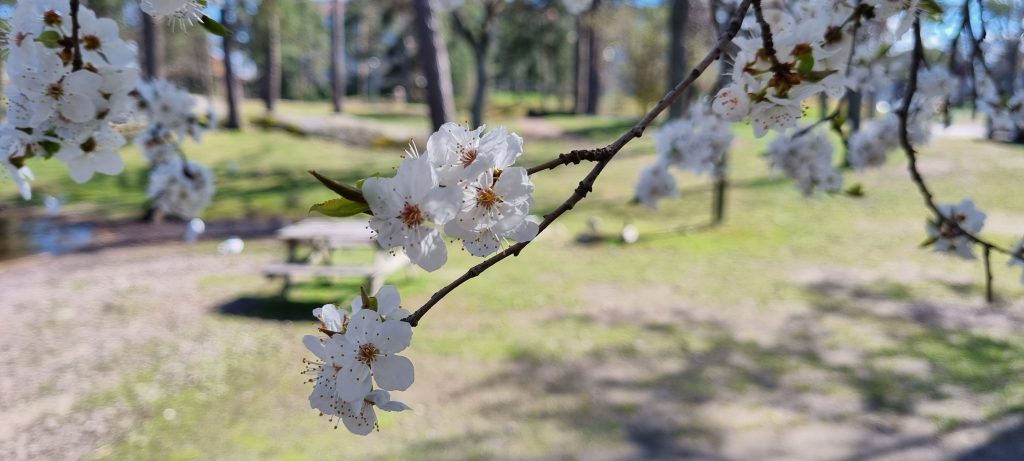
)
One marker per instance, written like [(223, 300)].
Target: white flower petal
[(393, 373)]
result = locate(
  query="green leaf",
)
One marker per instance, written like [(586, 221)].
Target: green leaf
[(49, 38), (212, 26), (805, 63), (855, 190), (929, 242), (50, 147), (352, 193), (340, 208), (931, 8)]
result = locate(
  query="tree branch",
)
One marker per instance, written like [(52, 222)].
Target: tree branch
[(76, 60), (606, 155), (917, 58), (767, 40), (460, 27)]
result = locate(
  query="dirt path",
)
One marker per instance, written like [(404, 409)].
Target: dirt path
[(843, 376), (73, 326)]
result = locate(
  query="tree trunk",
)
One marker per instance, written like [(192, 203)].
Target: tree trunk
[(718, 195), (581, 82), (151, 47), (721, 172), (593, 65), (272, 79), (434, 61), (231, 87), (337, 54), (853, 110), (480, 95), (677, 62)]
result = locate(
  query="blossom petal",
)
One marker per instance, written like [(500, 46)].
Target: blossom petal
[(364, 327), (393, 373), (108, 162), (427, 251), (388, 300), (353, 382), (361, 421), (395, 336)]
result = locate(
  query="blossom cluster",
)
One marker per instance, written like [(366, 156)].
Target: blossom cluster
[(770, 87), (176, 186), (806, 157), (64, 95), (697, 143), (464, 183), (1006, 113), (357, 359), (180, 187), (813, 50)]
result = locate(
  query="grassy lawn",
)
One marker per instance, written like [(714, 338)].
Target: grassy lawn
[(800, 317)]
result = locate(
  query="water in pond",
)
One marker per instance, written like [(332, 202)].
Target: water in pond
[(20, 237)]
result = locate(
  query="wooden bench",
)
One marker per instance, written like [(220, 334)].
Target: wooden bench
[(323, 237)]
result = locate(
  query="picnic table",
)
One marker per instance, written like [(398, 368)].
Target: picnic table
[(323, 237)]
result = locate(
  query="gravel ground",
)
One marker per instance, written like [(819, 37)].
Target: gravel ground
[(74, 325)]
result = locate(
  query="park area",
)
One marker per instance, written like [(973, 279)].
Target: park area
[(795, 295), (801, 328)]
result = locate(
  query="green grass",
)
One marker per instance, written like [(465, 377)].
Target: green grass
[(513, 363)]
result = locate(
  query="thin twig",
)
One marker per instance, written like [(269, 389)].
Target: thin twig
[(767, 40), (76, 59), (917, 58), (828, 118), (574, 157), (607, 154), (989, 295)]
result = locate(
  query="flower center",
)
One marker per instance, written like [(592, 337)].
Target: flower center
[(91, 42), (55, 91), (468, 156), (89, 145), (487, 198), (367, 353), (411, 215), (51, 18)]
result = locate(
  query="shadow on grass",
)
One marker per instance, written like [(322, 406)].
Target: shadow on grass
[(869, 360), (267, 308), (609, 129), (302, 299)]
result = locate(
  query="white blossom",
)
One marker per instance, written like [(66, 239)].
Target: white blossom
[(360, 350), (406, 208), (806, 157), (97, 154), (494, 209), (870, 146), (179, 188), (62, 110), (458, 154), (697, 143), (655, 183), (948, 233)]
